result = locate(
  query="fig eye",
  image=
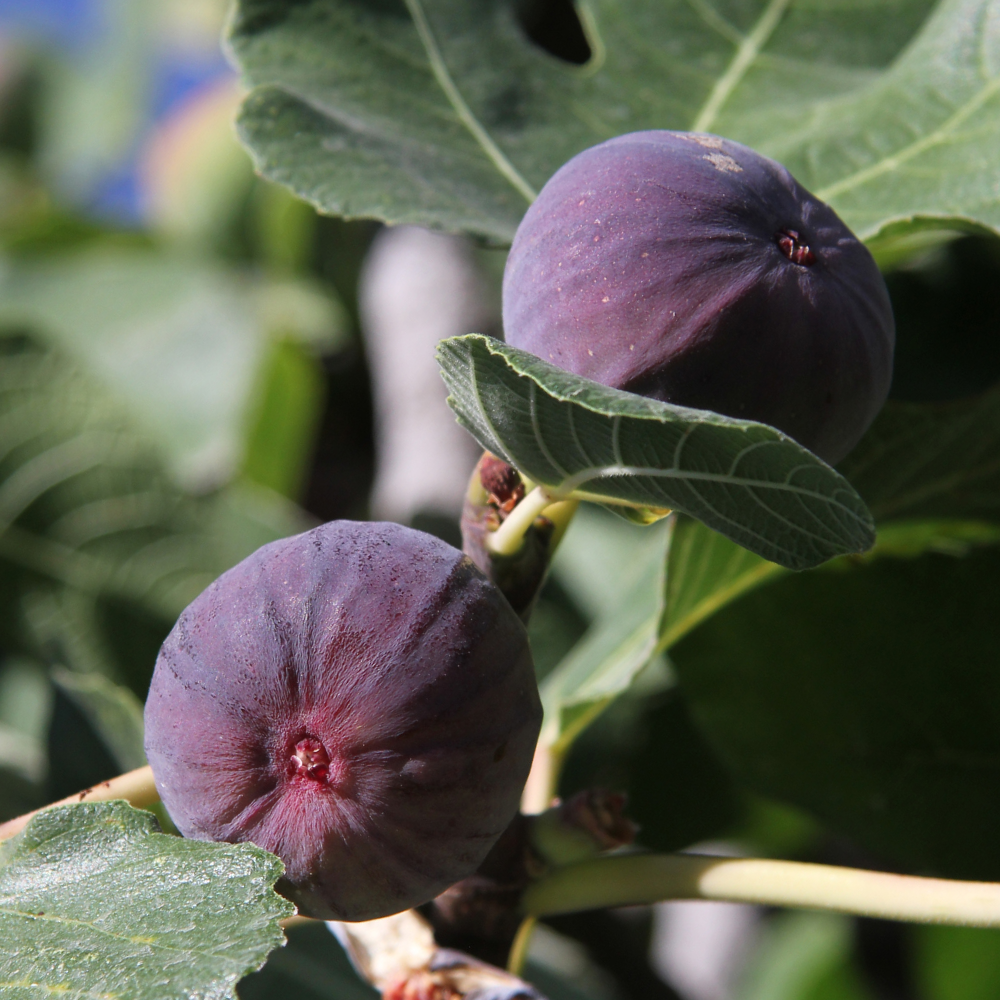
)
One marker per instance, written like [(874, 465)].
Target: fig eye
[(310, 760), (794, 248)]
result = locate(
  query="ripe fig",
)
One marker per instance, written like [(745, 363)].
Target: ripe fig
[(692, 269), (360, 701)]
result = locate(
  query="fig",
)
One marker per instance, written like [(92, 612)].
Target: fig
[(693, 270), (361, 701)]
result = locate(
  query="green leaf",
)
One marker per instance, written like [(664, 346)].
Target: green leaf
[(616, 648), (704, 572), (94, 902), (576, 437), (866, 693), (597, 556), (283, 431), (825, 689), (444, 112), (931, 460), (957, 963)]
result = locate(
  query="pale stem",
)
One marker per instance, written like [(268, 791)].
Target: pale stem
[(650, 878), (540, 788), (519, 949), (509, 537), (136, 787)]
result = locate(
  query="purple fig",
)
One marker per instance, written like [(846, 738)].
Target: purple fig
[(360, 701), (691, 269)]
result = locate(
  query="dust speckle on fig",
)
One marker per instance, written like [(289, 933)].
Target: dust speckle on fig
[(684, 297), (338, 698)]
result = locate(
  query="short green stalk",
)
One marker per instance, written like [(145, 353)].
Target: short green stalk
[(509, 537)]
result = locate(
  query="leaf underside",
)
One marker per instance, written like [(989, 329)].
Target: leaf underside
[(573, 436)]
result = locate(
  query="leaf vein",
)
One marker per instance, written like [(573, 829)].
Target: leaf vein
[(462, 109)]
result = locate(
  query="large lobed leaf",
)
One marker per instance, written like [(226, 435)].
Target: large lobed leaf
[(867, 693), (95, 903), (619, 644), (577, 437), (864, 691), (445, 113)]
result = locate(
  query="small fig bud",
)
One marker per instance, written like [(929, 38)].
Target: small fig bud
[(591, 821), (502, 483), (360, 701), (691, 269)]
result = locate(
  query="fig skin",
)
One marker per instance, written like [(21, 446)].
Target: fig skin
[(693, 270), (360, 701)]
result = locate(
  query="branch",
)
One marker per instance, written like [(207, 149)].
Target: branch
[(632, 879), (649, 878), (136, 787)]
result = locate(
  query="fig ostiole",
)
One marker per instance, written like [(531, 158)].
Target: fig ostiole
[(361, 701), (691, 269)]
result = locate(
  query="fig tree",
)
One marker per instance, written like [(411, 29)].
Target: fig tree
[(691, 269), (360, 701)]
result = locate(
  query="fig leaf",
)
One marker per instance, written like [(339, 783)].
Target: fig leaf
[(621, 642), (929, 472), (931, 460), (797, 686), (446, 114), (746, 480), (94, 901)]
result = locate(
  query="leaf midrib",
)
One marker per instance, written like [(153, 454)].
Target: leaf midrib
[(573, 482), (746, 53), (461, 108)]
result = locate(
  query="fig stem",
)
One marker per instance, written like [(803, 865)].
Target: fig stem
[(543, 779), (136, 787), (648, 878), (519, 949), (509, 537)]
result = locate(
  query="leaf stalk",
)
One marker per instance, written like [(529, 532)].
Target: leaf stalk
[(649, 878), (509, 537)]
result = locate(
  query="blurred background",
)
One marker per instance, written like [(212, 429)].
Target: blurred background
[(193, 363)]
